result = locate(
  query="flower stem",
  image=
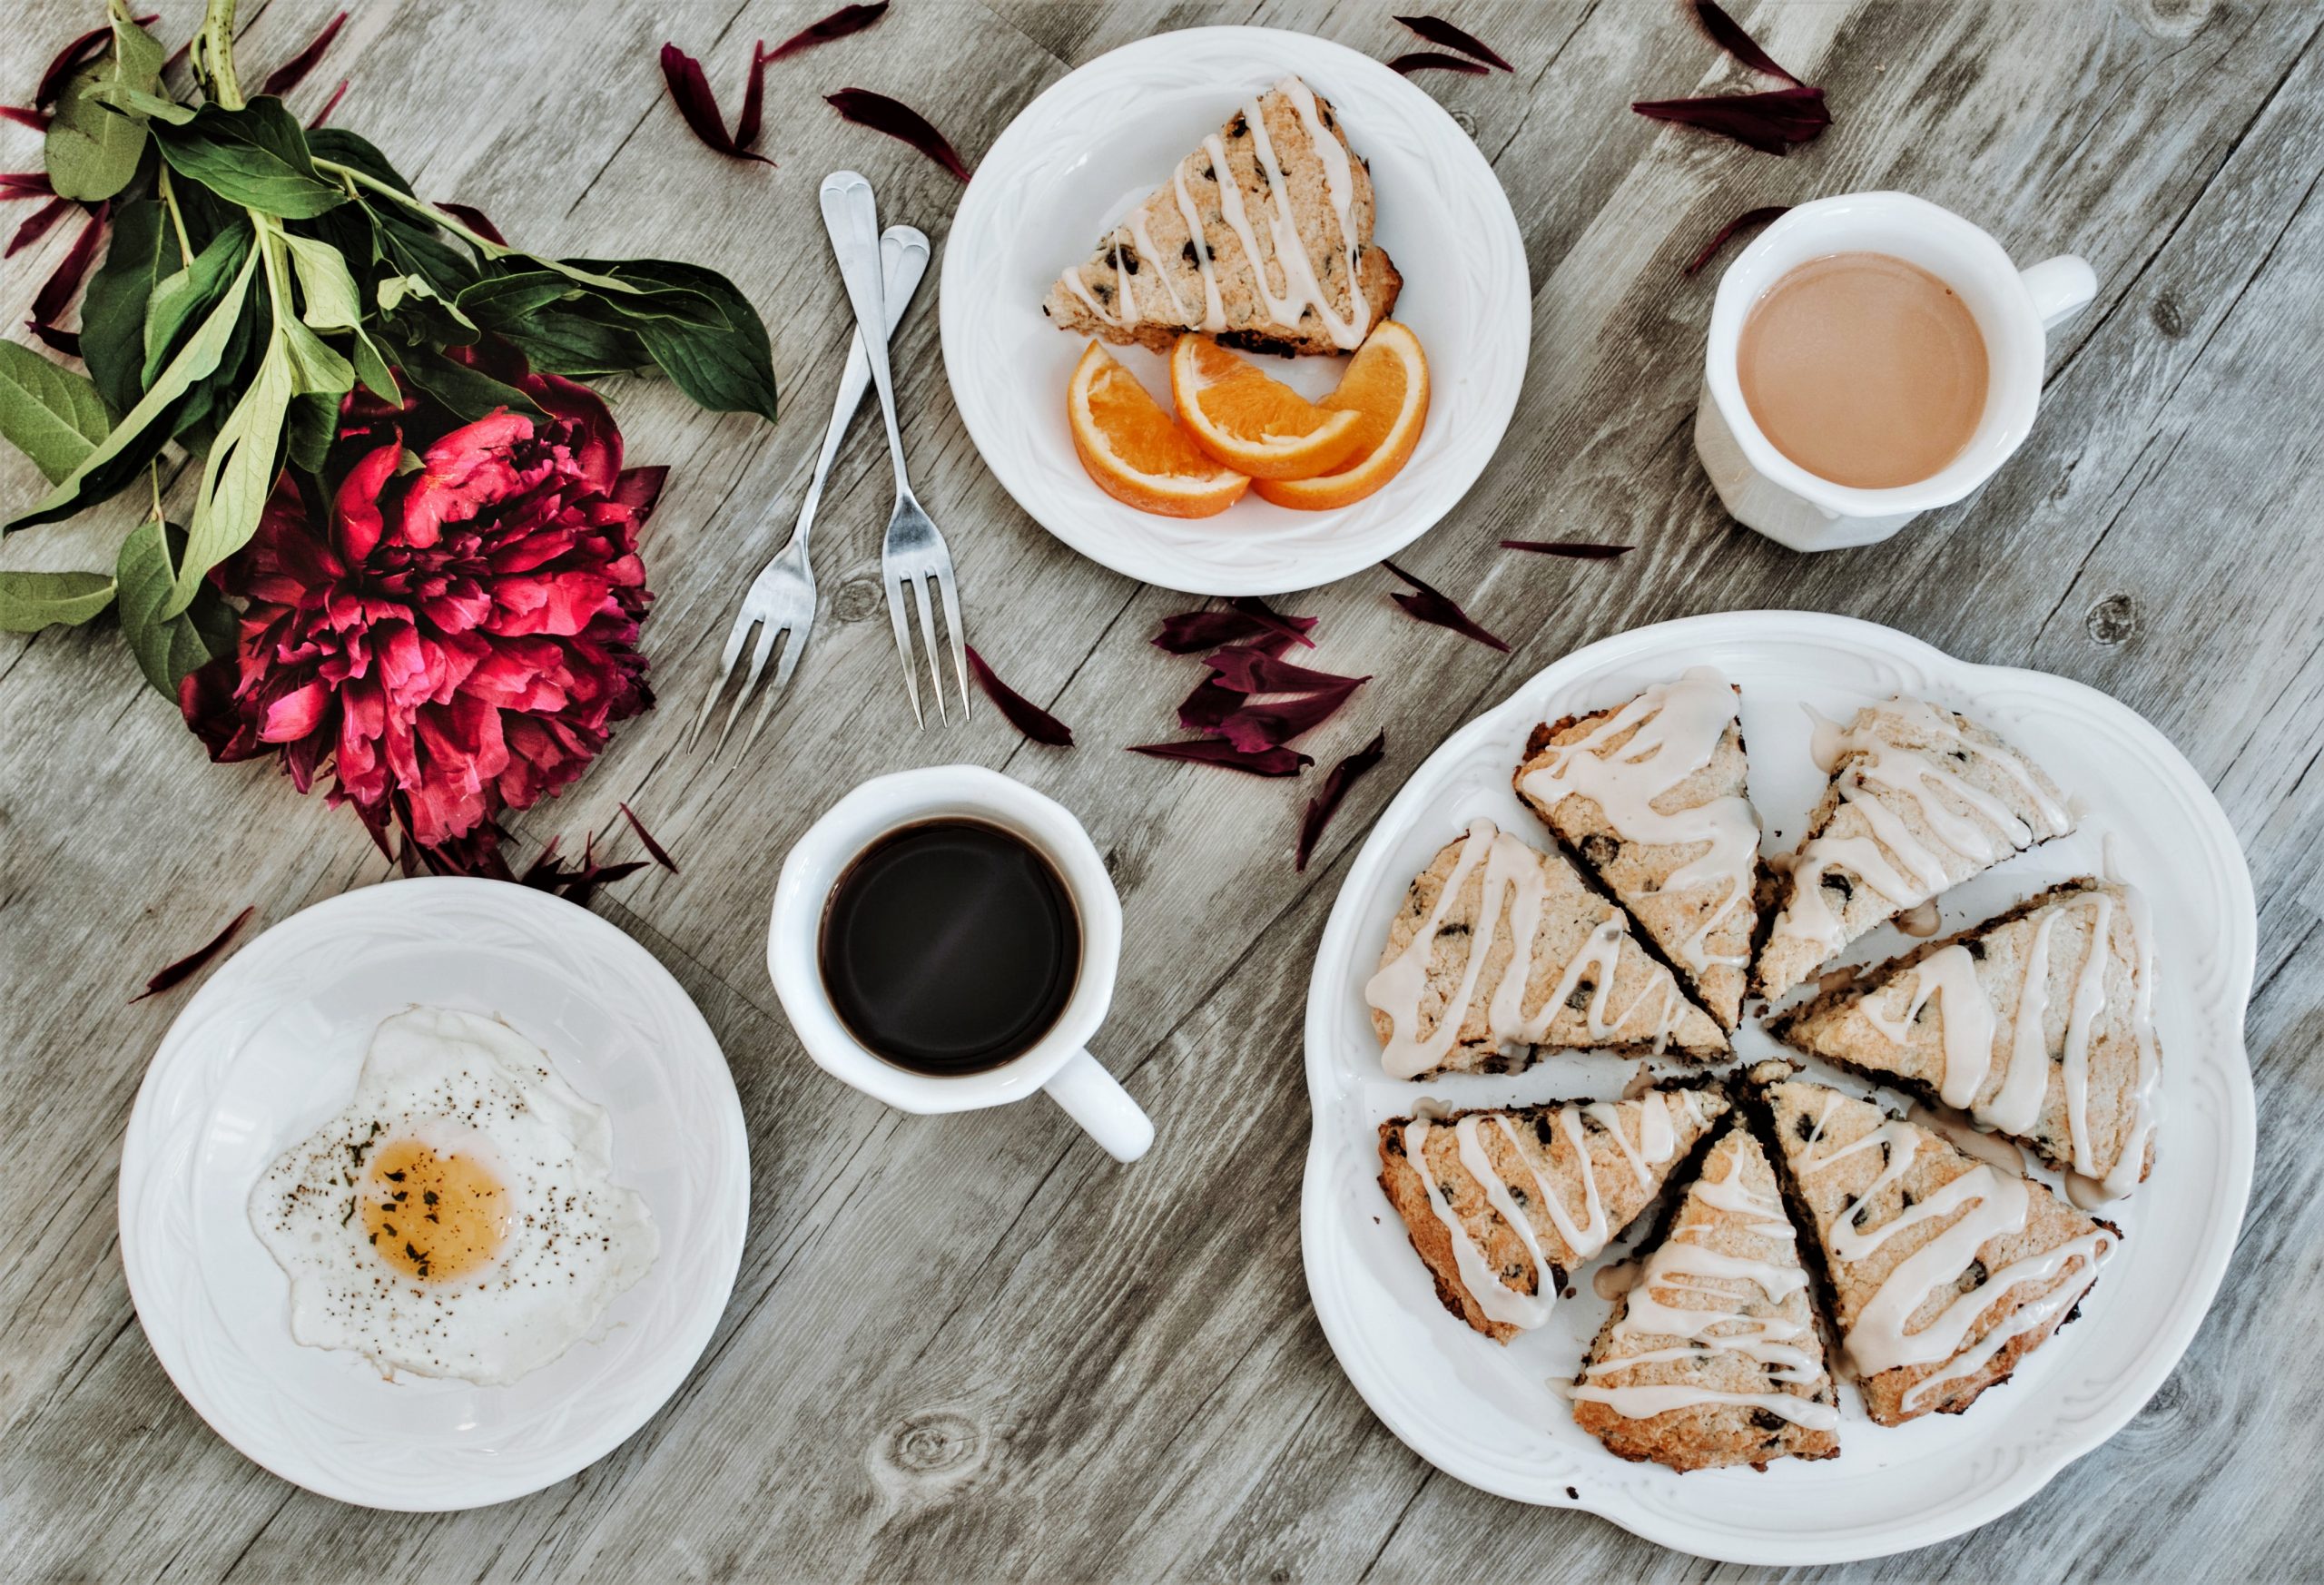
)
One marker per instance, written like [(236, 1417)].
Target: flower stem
[(485, 245), (213, 56), (177, 219)]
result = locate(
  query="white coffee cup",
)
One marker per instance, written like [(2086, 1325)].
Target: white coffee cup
[(1059, 1062), (1765, 489)]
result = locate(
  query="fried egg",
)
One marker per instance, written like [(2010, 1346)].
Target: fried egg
[(459, 1218)]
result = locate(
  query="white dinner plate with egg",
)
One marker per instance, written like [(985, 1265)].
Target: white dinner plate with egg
[(270, 1049), (1489, 1416), (1089, 150)]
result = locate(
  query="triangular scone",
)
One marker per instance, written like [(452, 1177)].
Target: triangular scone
[(1278, 258), (1500, 949), (1945, 1270), (2038, 1024), (1921, 799), (1651, 798), (1714, 1357), (1504, 1204)]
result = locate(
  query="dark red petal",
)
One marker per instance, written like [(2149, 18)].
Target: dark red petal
[(661, 854), (846, 20), (897, 119), (293, 72), (23, 115), (476, 220), (1745, 222), (1254, 727), (1023, 714), (1211, 703), (185, 967), (1246, 669), (1429, 61), (1326, 801), (15, 184), (1433, 605), (72, 58), (1217, 751), (1769, 123), (57, 293), (329, 105), (1578, 549), (1729, 34), (691, 90), (38, 226), (1437, 31), (1246, 618), (746, 125)]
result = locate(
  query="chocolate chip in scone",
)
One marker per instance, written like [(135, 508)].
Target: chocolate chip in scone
[(1599, 849)]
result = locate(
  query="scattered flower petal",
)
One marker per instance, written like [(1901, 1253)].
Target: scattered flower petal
[(1429, 61), (1246, 669), (23, 115), (1769, 123), (293, 72), (57, 293), (1745, 222), (846, 20), (1578, 549), (1433, 605), (1729, 34), (1437, 31), (897, 119), (1217, 751), (16, 184), (192, 964), (329, 105), (1246, 618), (1326, 801), (76, 55), (38, 226), (691, 90), (1023, 714), (661, 854), (476, 220), (1256, 727)]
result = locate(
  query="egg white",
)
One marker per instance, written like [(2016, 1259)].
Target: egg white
[(467, 1085)]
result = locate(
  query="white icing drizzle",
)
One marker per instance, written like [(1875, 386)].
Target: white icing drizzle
[(1657, 1143), (1302, 291), (1917, 872), (1698, 1295), (1949, 978), (1143, 240), (1678, 728), (1214, 310), (2027, 1317), (1514, 883)]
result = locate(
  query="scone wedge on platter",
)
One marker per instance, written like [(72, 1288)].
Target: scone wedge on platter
[(1714, 1357), (1921, 799), (1261, 238), (1651, 798), (1945, 1272), (1502, 951), (1503, 1203), (2038, 1024)]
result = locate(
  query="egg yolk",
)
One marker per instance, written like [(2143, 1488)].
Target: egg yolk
[(433, 1217)]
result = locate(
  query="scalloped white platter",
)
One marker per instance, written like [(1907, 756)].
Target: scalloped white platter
[(1086, 152), (1489, 1416), (271, 1046)]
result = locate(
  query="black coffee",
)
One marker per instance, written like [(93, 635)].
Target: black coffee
[(950, 946)]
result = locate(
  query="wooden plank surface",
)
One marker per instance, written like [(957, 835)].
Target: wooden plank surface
[(972, 1346)]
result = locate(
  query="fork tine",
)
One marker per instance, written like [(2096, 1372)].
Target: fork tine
[(734, 636), (791, 648), (903, 644), (952, 630), (928, 630), (768, 631)]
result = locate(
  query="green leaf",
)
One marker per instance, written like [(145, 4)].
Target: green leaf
[(700, 330), (51, 414), (92, 149), (308, 431), (141, 105), (30, 601), (167, 646), (239, 471), (255, 156), (315, 368), (112, 312), (142, 432), (567, 344), (467, 393), (325, 283), (182, 295), (500, 300)]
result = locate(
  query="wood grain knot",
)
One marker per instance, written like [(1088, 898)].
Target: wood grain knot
[(1465, 122), (938, 1443), (2167, 318), (2112, 620), (858, 599)]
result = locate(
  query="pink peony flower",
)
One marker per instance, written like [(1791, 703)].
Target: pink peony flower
[(459, 639)]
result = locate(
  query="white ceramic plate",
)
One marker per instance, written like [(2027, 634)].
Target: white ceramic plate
[(271, 1046), (1488, 1415), (1086, 152)]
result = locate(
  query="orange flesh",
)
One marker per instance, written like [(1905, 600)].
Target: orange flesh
[(434, 1218)]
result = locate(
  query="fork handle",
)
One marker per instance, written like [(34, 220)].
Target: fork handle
[(904, 260), (851, 216)]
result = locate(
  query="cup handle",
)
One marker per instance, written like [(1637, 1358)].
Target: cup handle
[(2060, 286), (1095, 1098)]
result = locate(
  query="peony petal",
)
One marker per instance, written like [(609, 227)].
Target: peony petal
[(597, 444), (295, 714), (356, 519), (1326, 801)]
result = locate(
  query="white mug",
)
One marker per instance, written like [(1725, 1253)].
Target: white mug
[(1060, 1062), (1765, 489)]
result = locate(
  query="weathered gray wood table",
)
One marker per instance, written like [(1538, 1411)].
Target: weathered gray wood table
[(972, 1345)]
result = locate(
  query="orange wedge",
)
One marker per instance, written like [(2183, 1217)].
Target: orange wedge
[(1251, 423), (1135, 451), (1386, 387)]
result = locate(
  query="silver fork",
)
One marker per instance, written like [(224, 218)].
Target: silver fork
[(782, 598), (913, 553)]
